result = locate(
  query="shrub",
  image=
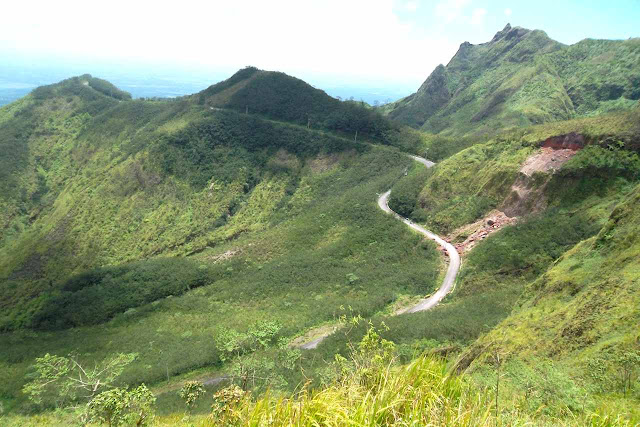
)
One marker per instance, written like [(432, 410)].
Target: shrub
[(191, 392), (120, 406)]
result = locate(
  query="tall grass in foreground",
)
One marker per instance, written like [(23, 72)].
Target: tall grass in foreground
[(422, 393)]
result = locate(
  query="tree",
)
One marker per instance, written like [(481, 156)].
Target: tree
[(369, 361), (226, 405), (64, 379), (629, 361), (249, 370), (190, 392), (120, 406)]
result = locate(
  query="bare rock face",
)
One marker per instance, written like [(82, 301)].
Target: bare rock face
[(570, 141)]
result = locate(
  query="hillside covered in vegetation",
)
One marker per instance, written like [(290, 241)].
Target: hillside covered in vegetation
[(162, 261), (281, 97), (519, 78)]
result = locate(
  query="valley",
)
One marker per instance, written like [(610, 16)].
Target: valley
[(467, 255)]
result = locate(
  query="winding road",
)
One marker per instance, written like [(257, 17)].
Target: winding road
[(452, 270)]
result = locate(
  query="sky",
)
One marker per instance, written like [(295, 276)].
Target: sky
[(367, 42)]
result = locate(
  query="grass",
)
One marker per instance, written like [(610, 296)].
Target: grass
[(152, 227), (294, 271), (422, 392)]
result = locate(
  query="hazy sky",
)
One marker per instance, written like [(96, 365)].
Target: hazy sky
[(369, 41)]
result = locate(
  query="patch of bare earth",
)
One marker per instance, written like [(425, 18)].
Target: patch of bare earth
[(527, 192), (466, 237), (548, 160), (527, 196), (323, 163), (214, 259)]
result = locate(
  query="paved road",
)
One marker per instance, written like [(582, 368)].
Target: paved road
[(452, 270), (454, 260), (427, 163)]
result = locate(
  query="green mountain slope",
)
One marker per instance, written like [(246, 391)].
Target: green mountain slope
[(122, 214), (577, 324), (281, 97), (522, 77), (91, 181), (169, 228)]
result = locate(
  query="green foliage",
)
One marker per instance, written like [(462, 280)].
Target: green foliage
[(405, 192), (581, 314), (279, 222), (122, 407), (118, 289), (260, 335), (217, 88), (226, 143), (439, 147), (191, 391), (465, 186), (227, 404), (603, 163), (106, 88), (63, 379), (251, 370), (629, 363), (367, 362), (352, 278), (282, 97), (529, 247)]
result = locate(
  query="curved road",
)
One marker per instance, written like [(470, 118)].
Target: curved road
[(452, 270)]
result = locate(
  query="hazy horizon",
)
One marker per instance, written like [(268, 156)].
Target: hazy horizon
[(381, 50)]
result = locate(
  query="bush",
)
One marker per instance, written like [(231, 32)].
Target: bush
[(120, 406)]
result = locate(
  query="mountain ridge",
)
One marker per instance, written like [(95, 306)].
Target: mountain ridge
[(522, 77), (205, 234)]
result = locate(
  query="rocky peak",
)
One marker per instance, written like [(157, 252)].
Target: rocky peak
[(501, 34), (509, 32)]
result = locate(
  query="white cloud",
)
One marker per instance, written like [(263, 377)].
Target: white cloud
[(357, 39), (477, 17), (412, 6), (450, 10), (508, 11)]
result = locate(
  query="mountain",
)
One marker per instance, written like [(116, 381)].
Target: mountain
[(114, 213), (205, 238), (278, 96), (522, 77), (91, 178)]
